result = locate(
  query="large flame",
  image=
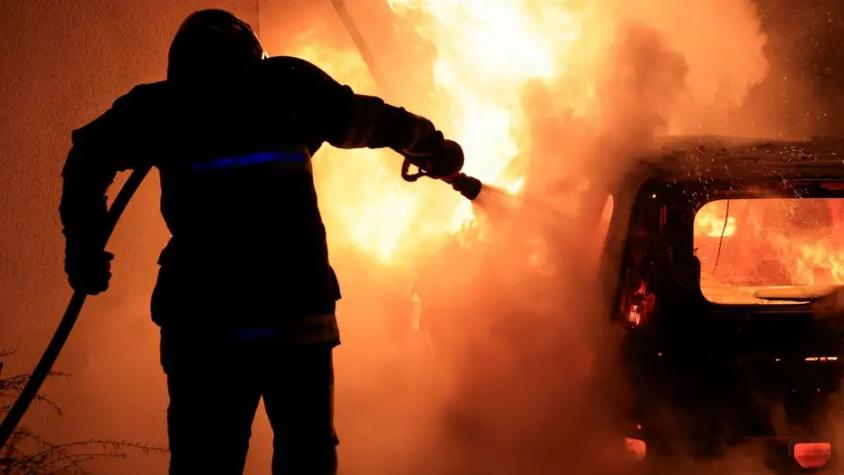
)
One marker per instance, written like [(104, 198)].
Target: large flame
[(487, 52), (481, 60), (372, 207), (713, 221), (485, 55), (771, 243)]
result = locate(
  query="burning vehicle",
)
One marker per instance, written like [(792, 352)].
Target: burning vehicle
[(724, 258)]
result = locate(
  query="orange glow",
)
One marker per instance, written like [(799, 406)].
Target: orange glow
[(709, 221), (486, 54), (372, 208), (636, 448), (459, 356), (812, 454), (789, 247), (481, 62)]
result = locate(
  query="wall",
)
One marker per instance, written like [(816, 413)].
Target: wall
[(61, 64)]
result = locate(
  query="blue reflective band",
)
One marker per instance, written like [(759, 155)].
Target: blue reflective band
[(249, 159), (255, 333)]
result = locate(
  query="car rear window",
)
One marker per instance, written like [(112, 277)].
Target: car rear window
[(770, 251)]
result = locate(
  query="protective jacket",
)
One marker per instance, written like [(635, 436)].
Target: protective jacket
[(234, 156)]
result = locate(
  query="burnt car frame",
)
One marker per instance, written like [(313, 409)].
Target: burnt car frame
[(704, 376)]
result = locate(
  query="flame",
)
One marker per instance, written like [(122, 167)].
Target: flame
[(710, 221), (487, 52), (476, 77), (371, 207), (813, 251), (811, 262), (773, 242)]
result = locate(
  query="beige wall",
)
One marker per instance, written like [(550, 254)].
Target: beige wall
[(62, 62)]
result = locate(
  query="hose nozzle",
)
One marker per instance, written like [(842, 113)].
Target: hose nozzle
[(468, 186)]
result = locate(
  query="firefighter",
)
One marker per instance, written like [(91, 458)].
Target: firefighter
[(245, 295)]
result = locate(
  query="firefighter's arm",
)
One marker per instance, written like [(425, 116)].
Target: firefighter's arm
[(94, 159), (349, 120), (370, 122)]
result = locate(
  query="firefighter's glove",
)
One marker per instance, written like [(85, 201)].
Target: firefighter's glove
[(448, 162), (439, 158), (429, 150), (88, 270)]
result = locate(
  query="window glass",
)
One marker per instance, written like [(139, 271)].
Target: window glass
[(763, 251)]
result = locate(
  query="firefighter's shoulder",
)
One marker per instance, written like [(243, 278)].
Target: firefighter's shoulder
[(143, 95), (289, 67), (134, 107)]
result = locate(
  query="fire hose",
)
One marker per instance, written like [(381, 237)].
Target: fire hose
[(77, 300), (467, 186)]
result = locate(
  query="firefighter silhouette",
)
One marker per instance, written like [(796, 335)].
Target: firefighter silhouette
[(245, 296)]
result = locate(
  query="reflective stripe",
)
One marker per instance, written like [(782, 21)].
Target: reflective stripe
[(320, 328), (286, 159)]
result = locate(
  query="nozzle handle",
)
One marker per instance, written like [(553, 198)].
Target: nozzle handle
[(405, 171), (468, 186)]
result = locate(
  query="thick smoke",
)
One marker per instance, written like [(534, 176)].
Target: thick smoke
[(485, 349), (491, 351)]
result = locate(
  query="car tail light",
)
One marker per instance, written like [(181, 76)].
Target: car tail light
[(637, 448), (635, 314), (637, 305), (833, 185), (812, 454)]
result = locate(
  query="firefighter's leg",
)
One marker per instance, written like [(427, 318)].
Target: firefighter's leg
[(299, 397), (213, 399)]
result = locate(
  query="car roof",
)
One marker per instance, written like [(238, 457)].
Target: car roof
[(684, 158)]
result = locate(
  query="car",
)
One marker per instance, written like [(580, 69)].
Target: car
[(718, 255)]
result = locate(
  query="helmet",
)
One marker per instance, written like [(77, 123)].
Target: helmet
[(212, 44)]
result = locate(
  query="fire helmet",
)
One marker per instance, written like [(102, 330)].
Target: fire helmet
[(212, 44)]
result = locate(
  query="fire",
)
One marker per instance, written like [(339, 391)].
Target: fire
[(712, 221), (487, 52), (371, 207), (812, 262), (475, 65), (772, 242), (807, 239)]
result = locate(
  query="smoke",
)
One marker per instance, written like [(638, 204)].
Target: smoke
[(801, 97), (477, 346), (489, 349)]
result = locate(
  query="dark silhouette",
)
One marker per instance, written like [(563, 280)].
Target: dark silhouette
[(245, 292)]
